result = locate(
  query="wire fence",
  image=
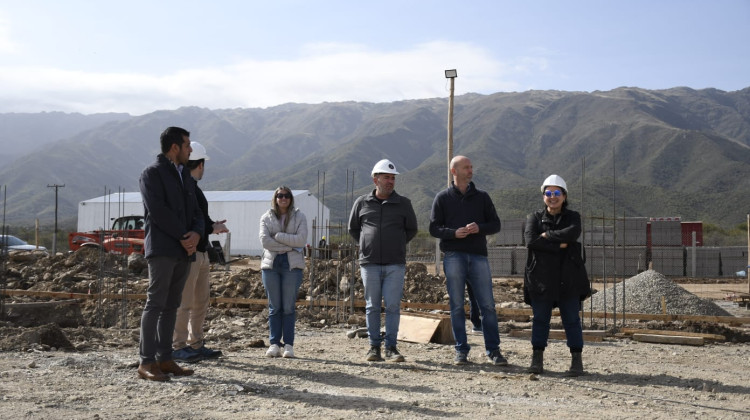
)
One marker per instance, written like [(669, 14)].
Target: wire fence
[(614, 247)]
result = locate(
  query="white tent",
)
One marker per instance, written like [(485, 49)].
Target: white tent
[(241, 209)]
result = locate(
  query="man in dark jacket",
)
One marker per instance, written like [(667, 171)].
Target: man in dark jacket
[(382, 222), (173, 227), (462, 216), (187, 343)]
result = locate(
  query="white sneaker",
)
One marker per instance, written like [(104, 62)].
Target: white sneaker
[(288, 351), (273, 351)]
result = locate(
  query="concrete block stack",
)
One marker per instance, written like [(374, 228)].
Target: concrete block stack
[(511, 232), (707, 261)]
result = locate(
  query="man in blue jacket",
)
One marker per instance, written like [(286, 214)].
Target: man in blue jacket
[(173, 227), (462, 216), (382, 222)]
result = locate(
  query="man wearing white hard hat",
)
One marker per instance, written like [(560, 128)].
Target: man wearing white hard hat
[(382, 222), (187, 341)]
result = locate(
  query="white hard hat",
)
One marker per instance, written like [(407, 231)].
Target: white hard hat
[(555, 180), (384, 166), (199, 152)]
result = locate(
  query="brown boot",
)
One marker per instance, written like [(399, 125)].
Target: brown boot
[(151, 372), (171, 367)]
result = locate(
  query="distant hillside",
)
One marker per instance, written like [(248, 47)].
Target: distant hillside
[(675, 152), (22, 133)]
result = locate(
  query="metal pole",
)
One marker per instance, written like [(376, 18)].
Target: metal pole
[(604, 268), (354, 255), (313, 251), (324, 223), (614, 242), (54, 234), (623, 269), (693, 253), (583, 235), (591, 301), (3, 255)]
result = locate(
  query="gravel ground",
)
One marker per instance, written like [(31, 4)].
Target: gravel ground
[(82, 372), (330, 379)]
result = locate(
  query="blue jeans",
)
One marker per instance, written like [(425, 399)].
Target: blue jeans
[(383, 282), (462, 268), (282, 286), (571, 322), (476, 319)]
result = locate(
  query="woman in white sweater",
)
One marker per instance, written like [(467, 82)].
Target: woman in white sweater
[(283, 233)]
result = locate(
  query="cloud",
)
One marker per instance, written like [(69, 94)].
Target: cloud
[(7, 46), (321, 73)]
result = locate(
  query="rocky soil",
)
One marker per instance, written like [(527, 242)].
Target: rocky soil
[(79, 360)]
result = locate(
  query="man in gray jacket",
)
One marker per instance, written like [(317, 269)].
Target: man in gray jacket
[(382, 222)]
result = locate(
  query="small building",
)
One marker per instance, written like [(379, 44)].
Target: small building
[(241, 209)]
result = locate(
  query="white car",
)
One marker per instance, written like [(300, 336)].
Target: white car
[(15, 244)]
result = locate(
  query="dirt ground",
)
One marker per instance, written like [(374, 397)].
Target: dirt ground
[(330, 379), (87, 372)]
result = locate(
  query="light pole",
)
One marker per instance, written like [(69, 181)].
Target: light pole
[(54, 234), (449, 74)]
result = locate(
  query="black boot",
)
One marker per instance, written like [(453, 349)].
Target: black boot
[(537, 362), (576, 365)]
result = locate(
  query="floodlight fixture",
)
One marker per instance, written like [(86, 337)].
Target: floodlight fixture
[(450, 74)]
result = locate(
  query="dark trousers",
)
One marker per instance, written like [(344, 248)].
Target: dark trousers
[(571, 321), (167, 276)]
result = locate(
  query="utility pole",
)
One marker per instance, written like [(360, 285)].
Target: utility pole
[(449, 74), (54, 234)]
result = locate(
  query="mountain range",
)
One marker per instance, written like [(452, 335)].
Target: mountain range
[(628, 151)]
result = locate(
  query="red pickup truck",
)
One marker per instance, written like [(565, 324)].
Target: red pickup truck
[(125, 237)]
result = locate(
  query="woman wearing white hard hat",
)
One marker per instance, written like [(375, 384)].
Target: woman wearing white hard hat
[(555, 274)]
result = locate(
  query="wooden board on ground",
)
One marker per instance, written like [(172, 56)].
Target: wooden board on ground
[(588, 335), (425, 328), (668, 339), (708, 337)]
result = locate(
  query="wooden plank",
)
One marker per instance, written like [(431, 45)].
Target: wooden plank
[(661, 317), (32, 305), (70, 295), (668, 339), (590, 336), (732, 320), (741, 294), (424, 329), (710, 337), (416, 329)]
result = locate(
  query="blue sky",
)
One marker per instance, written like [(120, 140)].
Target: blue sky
[(141, 56)]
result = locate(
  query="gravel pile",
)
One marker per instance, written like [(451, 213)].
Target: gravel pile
[(643, 295)]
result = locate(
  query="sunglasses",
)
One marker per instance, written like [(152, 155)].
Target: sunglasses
[(284, 195), (555, 193)]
